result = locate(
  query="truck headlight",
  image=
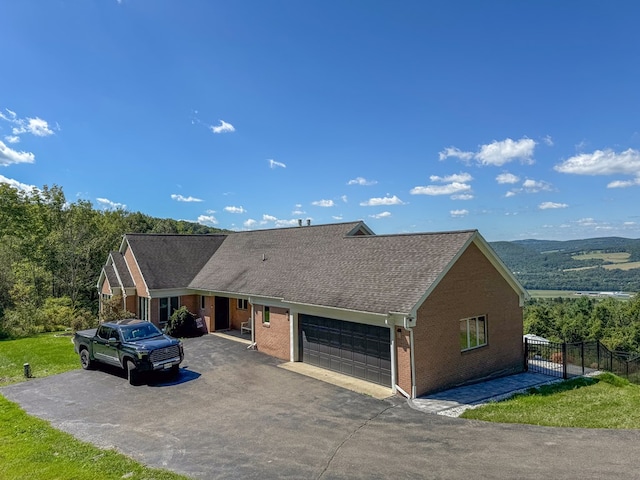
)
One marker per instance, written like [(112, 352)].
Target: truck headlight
[(142, 354)]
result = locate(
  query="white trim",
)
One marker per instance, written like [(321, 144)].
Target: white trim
[(394, 363), (413, 364)]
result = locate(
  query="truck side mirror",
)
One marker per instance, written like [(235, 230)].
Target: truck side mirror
[(113, 341)]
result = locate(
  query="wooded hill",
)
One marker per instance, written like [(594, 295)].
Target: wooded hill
[(52, 251), (594, 264)]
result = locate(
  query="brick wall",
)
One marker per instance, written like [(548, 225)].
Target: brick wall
[(472, 287), (238, 315), (272, 338), (135, 273), (403, 359)]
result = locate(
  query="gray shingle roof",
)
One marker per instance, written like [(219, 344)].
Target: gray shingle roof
[(121, 270), (171, 261), (112, 278), (320, 265)]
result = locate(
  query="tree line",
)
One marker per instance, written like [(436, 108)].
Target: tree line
[(616, 323), (51, 252)]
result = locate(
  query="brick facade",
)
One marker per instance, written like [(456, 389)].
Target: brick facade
[(472, 287), (403, 359), (272, 338)]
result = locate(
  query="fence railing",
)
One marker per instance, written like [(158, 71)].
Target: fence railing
[(568, 360)]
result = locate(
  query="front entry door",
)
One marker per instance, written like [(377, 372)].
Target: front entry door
[(222, 313)]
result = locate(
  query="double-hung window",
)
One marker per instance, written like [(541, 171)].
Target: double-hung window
[(473, 332), (266, 315)]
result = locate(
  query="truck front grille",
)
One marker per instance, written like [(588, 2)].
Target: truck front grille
[(163, 354)]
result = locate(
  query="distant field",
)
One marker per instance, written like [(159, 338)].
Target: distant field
[(570, 294), (614, 261), (552, 293), (618, 257)]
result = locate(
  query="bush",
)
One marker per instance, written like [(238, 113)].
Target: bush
[(183, 324)]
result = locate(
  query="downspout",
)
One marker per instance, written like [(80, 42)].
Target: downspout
[(394, 363)]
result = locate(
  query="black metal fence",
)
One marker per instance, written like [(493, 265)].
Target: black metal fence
[(568, 360)]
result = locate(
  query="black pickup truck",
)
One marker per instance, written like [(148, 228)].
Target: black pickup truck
[(135, 345)]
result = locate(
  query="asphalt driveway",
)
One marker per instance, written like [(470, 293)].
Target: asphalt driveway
[(234, 414)]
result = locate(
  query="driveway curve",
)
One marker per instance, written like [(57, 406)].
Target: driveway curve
[(233, 414)]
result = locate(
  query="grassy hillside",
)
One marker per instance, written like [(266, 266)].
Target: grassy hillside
[(601, 264)]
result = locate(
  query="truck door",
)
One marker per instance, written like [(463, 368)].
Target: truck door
[(102, 350)]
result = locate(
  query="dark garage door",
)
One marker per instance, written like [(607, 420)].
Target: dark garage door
[(354, 349)]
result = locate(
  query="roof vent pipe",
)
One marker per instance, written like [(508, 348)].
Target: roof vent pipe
[(308, 222), (299, 222)]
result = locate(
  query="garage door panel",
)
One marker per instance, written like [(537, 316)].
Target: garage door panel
[(354, 349)]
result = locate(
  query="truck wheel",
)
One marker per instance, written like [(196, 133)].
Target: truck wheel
[(85, 359), (175, 371), (132, 373)]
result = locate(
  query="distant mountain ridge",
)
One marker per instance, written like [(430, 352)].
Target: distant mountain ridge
[(605, 263)]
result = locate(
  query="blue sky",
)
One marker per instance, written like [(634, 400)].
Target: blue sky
[(519, 119)]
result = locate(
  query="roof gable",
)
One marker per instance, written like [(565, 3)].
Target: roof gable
[(171, 261)]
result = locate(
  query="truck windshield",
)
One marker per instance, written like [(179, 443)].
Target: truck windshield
[(132, 333)]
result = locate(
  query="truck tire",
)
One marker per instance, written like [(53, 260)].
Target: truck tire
[(175, 371), (132, 373), (85, 359)]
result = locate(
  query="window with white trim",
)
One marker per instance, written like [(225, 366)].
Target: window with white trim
[(266, 315), (243, 304), (143, 308), (203, 302), (473, 332)]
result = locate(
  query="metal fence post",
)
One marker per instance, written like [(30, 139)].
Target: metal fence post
[(526, 354), (582, 355), (564, 360)]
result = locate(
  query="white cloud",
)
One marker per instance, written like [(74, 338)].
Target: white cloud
[(449, 189), (232, 209), (376, 202), (510, 194), (15, 184), (624, 183), (462, 196), (535, 186), (323, 203), (456, 153), (381, 215), (108, 204), (508, 178), (337, 217), (344, 198), (605, 162), (298, 210), (250, 223), (180, 198), (274, 164), (548, 141), (9, 156), (35, 126), (286, 223), (224, 127), (499, 153), (459, 213), (208, 220), (361, 181), (456, 177), (269, 218), (587, 222), (551, 205)]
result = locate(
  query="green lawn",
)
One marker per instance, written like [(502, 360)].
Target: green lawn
[(29, 447), (606, 401), (47, 354)]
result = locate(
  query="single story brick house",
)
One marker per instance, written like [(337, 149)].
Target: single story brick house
[(415, 312)]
